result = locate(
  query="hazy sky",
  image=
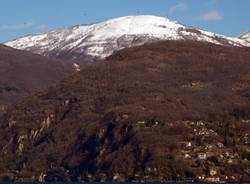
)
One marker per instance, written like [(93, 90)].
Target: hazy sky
[(22, 17)]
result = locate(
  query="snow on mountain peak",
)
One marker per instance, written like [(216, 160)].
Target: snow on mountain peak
[(245, 36), (103, 39), (134, 25)]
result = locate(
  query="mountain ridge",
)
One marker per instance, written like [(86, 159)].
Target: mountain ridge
[(245, 36), (103, 39)]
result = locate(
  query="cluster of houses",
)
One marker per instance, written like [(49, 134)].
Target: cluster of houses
[(209, 153)]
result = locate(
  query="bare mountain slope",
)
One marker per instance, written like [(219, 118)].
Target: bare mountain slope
[(175, 110), (23, 73)]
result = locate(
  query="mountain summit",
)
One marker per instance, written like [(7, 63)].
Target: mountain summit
[(103, 39)]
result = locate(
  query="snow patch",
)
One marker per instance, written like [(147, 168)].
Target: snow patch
[(76, 67)]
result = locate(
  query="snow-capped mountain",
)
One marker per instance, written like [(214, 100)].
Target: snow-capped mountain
[(102, 39), (245, 36)]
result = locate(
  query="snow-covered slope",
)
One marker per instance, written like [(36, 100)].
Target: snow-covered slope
[(103, 39), (245, 36)]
